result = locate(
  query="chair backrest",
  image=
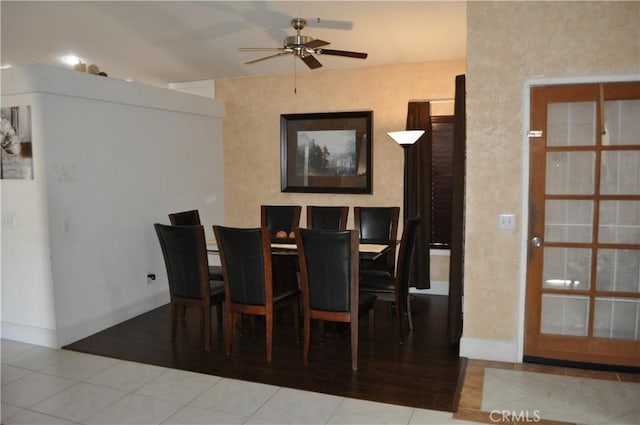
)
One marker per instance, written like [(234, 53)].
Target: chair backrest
[(406, 254), (185, 258), (379, 225), (327, 218), (185, 218), (245, 255), (329, 269), (280, 217)]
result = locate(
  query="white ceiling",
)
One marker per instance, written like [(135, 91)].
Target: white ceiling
[(159, 42)]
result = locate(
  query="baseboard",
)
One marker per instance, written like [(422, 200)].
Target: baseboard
[(487, 349), (438, 287), (30, 334), (77, 331)]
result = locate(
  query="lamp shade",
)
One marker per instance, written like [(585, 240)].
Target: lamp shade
[(407, 137)]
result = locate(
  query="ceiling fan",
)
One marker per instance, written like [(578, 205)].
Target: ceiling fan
[(302, 46)]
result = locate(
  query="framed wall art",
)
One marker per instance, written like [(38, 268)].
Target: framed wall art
[(326, 152), (16, 156)]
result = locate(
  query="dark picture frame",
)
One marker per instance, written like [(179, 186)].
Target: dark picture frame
[(326, 152)]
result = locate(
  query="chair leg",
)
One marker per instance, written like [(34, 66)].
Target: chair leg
[(372, 331), (183, 311), (409, 312), (296, 320), (207, 327), (269, 325), (228, 335), (174, 322), (354, 344), (306, 338), (399, 317)]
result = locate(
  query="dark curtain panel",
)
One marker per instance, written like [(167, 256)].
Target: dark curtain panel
[(456, 265), (417, 189)]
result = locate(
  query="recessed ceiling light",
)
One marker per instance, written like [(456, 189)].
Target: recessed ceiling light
[(71, 60)]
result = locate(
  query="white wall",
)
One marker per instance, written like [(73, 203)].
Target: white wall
[(206, 88), (28, 311), (117, 157)]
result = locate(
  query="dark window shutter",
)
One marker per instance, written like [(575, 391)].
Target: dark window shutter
[(441, 180)]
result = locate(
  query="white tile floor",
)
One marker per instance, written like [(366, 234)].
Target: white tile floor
[(47, 386), (562, 398)]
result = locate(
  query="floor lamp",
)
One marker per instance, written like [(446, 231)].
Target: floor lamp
[(405, 139)]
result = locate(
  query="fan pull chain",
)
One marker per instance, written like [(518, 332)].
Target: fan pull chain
[(295, 76)]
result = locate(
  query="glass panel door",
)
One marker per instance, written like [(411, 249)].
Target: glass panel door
[(583, 272)]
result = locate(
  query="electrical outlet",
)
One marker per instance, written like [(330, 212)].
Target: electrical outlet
[(506, 221)]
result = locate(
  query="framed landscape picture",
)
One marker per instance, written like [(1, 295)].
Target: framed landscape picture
[(326, 152)]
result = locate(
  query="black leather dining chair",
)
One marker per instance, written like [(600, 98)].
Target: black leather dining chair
[(192, 218), (327, 218), (185, 218), (329, 283), (283, 219), (185, 257), (395, 288), (378, 225), (248, 281), (280, 218)]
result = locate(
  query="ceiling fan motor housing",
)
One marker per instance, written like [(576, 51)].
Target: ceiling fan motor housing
[(297, 40)]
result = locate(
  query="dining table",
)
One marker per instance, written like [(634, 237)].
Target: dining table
[(281, 246)]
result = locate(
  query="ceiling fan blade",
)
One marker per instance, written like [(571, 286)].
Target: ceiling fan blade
[(311, 61), (314, 44), (266, 57), (345, 53)]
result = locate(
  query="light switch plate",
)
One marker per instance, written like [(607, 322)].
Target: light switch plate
[(506, 221)]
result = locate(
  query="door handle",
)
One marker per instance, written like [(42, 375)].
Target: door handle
[(536, 241)]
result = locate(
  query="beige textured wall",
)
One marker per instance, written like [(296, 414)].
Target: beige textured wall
[(439, 268), (252, 129), (508, 43)]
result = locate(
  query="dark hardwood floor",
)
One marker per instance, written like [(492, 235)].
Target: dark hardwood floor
[(423, 372)]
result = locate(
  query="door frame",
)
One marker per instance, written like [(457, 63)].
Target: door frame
[(524, 219)]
